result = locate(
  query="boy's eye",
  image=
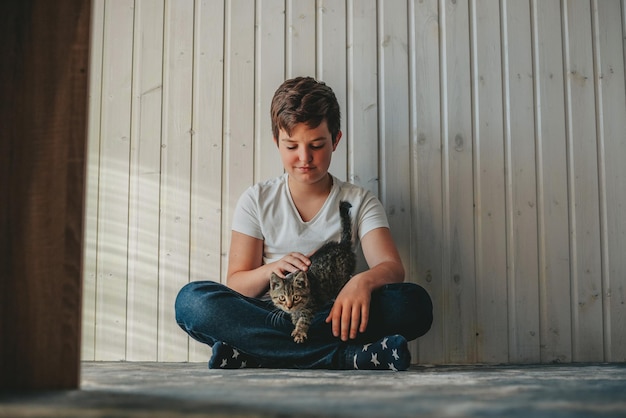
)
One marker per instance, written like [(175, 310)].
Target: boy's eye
[(313, 147)]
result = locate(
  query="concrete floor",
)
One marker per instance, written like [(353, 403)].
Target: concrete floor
[(191, 390)]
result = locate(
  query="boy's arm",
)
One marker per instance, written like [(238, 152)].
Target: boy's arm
[(246, 272), (350, 312)]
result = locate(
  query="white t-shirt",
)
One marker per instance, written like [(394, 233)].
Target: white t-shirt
[(266, 211)]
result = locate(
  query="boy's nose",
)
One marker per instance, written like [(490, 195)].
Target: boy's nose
[(305, 156)]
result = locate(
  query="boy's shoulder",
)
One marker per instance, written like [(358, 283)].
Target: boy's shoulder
[(266, 192), (269, 185), (349, 189)]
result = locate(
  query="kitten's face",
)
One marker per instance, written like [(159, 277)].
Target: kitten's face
[(290, 293)]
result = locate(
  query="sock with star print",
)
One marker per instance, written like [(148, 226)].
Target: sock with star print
[(227, 357), (389, 353)]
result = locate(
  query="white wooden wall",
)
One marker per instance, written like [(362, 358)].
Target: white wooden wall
[(494, 133)]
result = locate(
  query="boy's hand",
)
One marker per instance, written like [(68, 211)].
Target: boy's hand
[(290, 263), (350, 312)]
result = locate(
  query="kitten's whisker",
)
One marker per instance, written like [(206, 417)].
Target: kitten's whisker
[(276, 316)]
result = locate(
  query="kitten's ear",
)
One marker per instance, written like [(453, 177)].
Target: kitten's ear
[(301, 280), (275, 281)]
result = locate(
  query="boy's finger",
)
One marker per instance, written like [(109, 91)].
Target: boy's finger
[(346, 321), (334, 318), (356, 321), (365, 312)]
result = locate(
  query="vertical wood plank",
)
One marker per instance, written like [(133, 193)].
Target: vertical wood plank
[(238, 110), (586, 272), (361, 111), (208, 78), (90, 251), (490, 231), (206, 165), (611, 102), (175, 177), (360, 114), (394, 122), (145, 173), (552, 196), (521, 185), (300, 54), (458, 246), (331, 68), (427, 205), (113, 194), (269, 74)]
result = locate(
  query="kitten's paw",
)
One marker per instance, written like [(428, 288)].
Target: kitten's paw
[(298, 336)]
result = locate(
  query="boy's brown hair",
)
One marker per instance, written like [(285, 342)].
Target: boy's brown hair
[(304, 100)]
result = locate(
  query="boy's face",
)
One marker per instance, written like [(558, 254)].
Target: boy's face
[(306, 154)]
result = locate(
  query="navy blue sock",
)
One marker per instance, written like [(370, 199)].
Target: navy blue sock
[(227, 357), (389, 353)]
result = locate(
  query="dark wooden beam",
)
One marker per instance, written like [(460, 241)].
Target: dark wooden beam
[(43, 116)]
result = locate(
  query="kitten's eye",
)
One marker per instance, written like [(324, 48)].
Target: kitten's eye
[(297, 297), (282, 298)]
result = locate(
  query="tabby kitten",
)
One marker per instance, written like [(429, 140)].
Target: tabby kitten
[(301, 293)]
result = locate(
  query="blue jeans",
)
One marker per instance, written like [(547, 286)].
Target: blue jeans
[(210, 312)]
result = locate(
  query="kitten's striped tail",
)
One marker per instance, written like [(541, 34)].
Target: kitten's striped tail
[(346, 223)]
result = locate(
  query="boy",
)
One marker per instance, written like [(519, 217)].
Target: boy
[(275, 225)]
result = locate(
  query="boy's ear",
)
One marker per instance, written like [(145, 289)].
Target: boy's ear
[(337, 139), (275, 140)]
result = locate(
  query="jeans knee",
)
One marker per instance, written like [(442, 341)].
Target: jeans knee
[(423, 310), (411, 306), (191, 302), (184, 301)]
